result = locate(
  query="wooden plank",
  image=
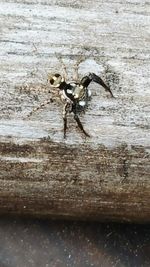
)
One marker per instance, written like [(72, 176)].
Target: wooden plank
[(102, 177)]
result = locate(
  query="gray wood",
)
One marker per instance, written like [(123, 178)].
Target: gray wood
[(107, 176)]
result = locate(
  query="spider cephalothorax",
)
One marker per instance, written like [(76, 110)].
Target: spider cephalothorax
[(75, 96)]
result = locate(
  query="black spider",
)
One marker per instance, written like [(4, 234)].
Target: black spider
[(75, 96)]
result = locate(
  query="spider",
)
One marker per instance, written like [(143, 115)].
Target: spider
[(74, 95)]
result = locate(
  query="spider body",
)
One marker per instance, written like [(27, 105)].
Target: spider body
[(75, 96)]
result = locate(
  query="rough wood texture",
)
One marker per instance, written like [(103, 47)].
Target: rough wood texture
[(106, 177)]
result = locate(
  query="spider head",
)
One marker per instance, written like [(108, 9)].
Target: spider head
[(55, 80)]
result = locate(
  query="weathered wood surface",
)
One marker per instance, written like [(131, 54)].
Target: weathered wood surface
[(108, 175)]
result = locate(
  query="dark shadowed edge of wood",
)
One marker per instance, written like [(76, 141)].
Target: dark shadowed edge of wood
[(48, 179)]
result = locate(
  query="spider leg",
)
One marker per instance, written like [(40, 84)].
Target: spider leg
[(63, 66), (98, 80), (65, 111), (76, 67), (39, 107), (80, 125), (93, 77), (78, 121)]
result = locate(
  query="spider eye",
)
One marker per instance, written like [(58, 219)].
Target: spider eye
[(57, 75), (51, 81)]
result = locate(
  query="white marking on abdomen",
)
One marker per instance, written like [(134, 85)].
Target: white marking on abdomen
[(89, 93), (82, 103)]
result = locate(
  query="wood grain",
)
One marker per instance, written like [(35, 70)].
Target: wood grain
[(105, 177)]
